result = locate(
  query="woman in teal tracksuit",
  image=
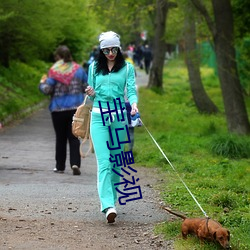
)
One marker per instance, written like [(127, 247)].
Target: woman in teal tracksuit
[(108, 77)]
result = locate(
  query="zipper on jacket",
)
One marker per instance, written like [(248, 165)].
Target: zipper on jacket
[(109, 86)]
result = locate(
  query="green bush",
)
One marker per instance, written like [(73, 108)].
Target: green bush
[(223, 200), (19, 87), (231, 146)]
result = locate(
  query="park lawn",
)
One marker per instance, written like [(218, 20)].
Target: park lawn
[(219, 182)]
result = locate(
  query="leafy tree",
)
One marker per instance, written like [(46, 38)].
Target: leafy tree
[(241, 18), (126, 17), (78, 29), (242, 33), (221, 28), (28, 33), (156, 72), (175, 24), (22, 35), (201, 99)]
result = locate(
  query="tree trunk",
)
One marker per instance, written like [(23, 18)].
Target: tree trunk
[(201, 99), (235, 109), (159, 47), (223, 38)]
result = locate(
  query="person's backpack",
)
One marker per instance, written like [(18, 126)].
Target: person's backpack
[(81, 126)]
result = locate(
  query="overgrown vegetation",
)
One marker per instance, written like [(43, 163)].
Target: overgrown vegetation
[(215, 165), (19, 87), (230, 147), (36, 37)]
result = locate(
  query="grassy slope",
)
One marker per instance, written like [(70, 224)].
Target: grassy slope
[(220, 184), (19, 87)]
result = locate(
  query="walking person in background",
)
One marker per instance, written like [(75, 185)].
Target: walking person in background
[(93, 54), (92, 57), (139, 56), (147, 54), (108, 78), (65, 84)]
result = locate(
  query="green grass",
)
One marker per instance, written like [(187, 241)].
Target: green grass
[(19, 88), (214, 164)]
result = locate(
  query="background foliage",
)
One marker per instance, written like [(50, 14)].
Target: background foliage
[(28, 33)]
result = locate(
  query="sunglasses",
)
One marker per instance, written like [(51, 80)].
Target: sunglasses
[(106, 51)]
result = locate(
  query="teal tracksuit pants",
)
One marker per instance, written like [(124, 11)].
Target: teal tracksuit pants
[(100, 135)]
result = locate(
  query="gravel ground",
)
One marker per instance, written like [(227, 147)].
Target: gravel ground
[(40, 209)]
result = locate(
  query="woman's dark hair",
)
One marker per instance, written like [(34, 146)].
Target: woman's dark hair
[(102, 67), (63, 52)]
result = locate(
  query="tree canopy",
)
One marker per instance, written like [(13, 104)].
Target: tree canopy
[(27, 32)]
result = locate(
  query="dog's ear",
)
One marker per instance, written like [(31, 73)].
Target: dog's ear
[(214, 235), (228, 237)]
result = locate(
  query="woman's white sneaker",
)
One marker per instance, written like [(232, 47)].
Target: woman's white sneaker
[(111, 214)]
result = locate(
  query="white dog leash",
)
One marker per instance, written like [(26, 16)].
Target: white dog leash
[(174, 170)]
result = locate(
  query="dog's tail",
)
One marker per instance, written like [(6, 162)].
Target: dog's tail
[(175, 213)]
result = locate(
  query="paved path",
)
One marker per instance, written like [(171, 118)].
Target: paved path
[(29, 189), (26, 163), (141, 78)]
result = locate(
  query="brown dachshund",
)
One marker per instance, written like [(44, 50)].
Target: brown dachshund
[(204, 229)]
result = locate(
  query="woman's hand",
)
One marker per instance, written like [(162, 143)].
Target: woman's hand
[(90, 91), (134, 109)]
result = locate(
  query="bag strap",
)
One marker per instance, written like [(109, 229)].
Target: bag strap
[(126, 83), (85, 99), (93, 74), (86, 138), (90, 149), (127, 75)]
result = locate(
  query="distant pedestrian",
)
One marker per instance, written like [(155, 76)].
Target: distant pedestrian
[(138, 55), (147, 54), (65, 84), (93, 55)]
